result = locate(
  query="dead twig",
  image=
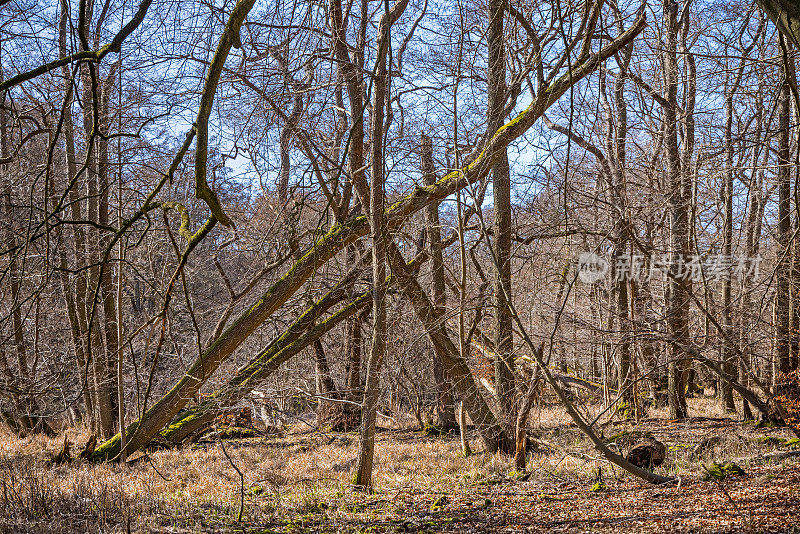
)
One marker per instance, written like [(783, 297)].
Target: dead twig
[(241, 480)]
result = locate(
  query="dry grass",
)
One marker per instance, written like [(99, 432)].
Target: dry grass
[(301, 481)]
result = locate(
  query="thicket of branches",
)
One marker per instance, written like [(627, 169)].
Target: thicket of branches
[(364, 206)]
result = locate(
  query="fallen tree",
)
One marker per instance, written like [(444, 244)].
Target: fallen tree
[(306, 330), (265, 364)]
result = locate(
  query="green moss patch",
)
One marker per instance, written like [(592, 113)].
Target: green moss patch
[(718, 471)]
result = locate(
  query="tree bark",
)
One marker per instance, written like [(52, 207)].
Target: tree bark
[(678, 290), (786, 16), (782, 307), (491, 432), (504, 372)]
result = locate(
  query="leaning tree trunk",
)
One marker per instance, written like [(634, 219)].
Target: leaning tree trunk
[(296, 339), (299, 335), (491, 432)]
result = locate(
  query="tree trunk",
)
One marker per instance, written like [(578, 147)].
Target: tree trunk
[(75, 297), (782, 308), (107, 283), (521, 430), (301, 334), (786, 16), (678, 290), (445, 409), (752, 241), (462, 426), (491, 432), (504, 375), (378, 232), (354, 358), (727, 249)]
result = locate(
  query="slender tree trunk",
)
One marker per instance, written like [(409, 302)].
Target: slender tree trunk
[(752, 248), (325, 387), (354, 358), (783, 319), (521, 433), (616, 148), (75, 297), (462, 426), (727, 250), (18, 379), (729, 351), (445, 409), (378, 232), (109, 384)]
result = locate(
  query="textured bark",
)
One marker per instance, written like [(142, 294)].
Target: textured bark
[(727, 243), (354, 358), (504, 373), (325, 382), (678, 206), (230, 37), (786, 16)]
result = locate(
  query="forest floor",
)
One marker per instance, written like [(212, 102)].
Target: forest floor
[(298, 482)]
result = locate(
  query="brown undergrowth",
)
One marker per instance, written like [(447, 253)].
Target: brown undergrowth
[(299, 482)]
